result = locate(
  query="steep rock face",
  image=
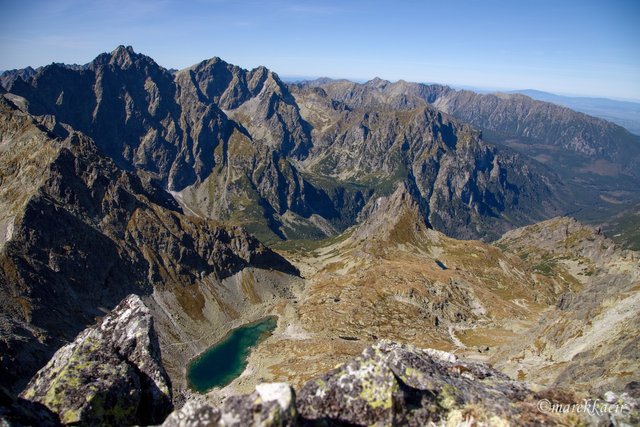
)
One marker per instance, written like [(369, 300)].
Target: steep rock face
[(519, 115), (255, 181), (110, 374), (593, 157), (125, 102), (468, 188), (254, 97), (289, 162), (174, 127), (80, 234), (511, 115)]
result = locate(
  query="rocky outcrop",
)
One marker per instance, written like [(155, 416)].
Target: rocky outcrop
[(388, 384), (271, 405), (110, 374), (394, 384)]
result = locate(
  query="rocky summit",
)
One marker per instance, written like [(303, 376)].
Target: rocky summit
[(110, 374), (424, 255)]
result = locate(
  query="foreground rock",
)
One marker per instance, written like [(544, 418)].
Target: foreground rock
[(389, 384), (111, 374), (270, 405), (15, 411), (397, 384)]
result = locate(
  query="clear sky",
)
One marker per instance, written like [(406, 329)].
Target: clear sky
[(572, 47)]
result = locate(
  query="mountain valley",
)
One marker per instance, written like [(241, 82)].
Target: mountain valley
[(372, 219)]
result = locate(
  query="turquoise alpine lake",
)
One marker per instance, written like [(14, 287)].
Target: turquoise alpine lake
[(225, 361)]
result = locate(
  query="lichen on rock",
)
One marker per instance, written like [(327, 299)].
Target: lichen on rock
[(110, 374), (399, 384), (271, 405)]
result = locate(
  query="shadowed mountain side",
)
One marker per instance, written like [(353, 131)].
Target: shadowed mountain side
[(287, 161), (597, 160), (79, 234)]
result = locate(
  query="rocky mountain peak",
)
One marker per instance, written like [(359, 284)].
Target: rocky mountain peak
[(378, 83), (123, 50), (398, 218), (123, 56)]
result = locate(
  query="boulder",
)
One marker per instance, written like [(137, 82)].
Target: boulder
[(399, 384), (110, 374), (271, 405)]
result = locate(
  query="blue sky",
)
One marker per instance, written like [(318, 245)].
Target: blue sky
[(572, 47)]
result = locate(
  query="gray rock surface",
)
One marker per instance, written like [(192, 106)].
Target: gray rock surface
[(396, 384), (110, 374), (271, 405)]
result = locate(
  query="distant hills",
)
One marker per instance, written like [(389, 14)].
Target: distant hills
[(623, 113)]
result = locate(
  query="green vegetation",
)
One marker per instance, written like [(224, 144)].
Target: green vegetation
[(625, 230)]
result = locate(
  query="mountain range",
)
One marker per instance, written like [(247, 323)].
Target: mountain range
[(304, 160), (354, 212)]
